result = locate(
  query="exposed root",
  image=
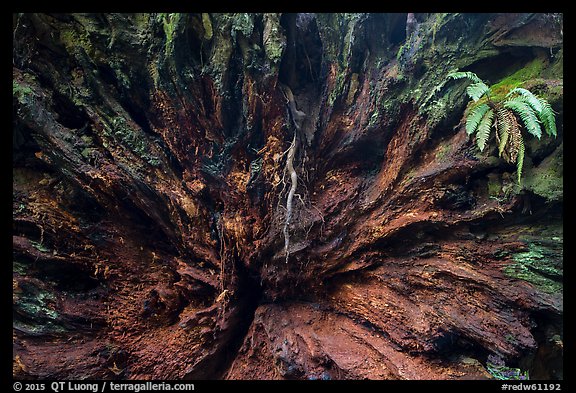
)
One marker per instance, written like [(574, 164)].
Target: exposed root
[(294, 184), (301, 200), (223, 252), (297, 117)]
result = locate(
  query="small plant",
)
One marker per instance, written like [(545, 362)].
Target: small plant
[(518, 107), (498, 369)]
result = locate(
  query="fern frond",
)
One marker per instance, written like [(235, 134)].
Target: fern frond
[(520, 160), (520, 108), (502, 128), (484, 129), (465, 75), (515, 149), (515, 139), (529, 98), (543, 110), (526, 113), (516, 143), (547, 117), (474, 117), (477, 90)]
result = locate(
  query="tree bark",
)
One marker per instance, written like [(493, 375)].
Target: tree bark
[(150, 188)]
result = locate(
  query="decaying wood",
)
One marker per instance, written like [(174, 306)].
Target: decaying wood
[(148, 237)]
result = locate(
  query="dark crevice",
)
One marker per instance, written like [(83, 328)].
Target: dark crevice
[(108, 76), (232, 116), (26, 229), (397, 29), (149, 222), (302, 59), (251, 293), (192, 44), (67, 277), (24, 145), (367, 151), (81, 203), (308, 50), (547, 362), (502, 65), (69, 115), (230, 340), (286, 73), (137, 113)]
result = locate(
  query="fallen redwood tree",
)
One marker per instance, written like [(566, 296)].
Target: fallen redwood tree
[(280, 196)]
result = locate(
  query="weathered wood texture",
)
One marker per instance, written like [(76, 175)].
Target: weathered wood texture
[(149, 198)]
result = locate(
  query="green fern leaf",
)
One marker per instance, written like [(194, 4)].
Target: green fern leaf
[(526, 113), (547, 117), (542, 108), (484, 129), (529, 98), (473, 119), (477, 90), (520, 108), (520, 160), (465, 75)]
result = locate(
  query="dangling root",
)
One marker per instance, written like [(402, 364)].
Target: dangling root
[(297, 116), (294, 183)]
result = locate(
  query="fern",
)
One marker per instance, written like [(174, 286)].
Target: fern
[(477, 90), (484, 129), (547, 117), (542, 108), (474, 118), (530, 98), (515, 142), (465, 74), (503, 127), (520, 161), (520, 104), (527, 115)]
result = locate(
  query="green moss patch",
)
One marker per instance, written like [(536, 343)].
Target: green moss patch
[(531, 70), (32, 303), (540, 265), (546, 180)]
